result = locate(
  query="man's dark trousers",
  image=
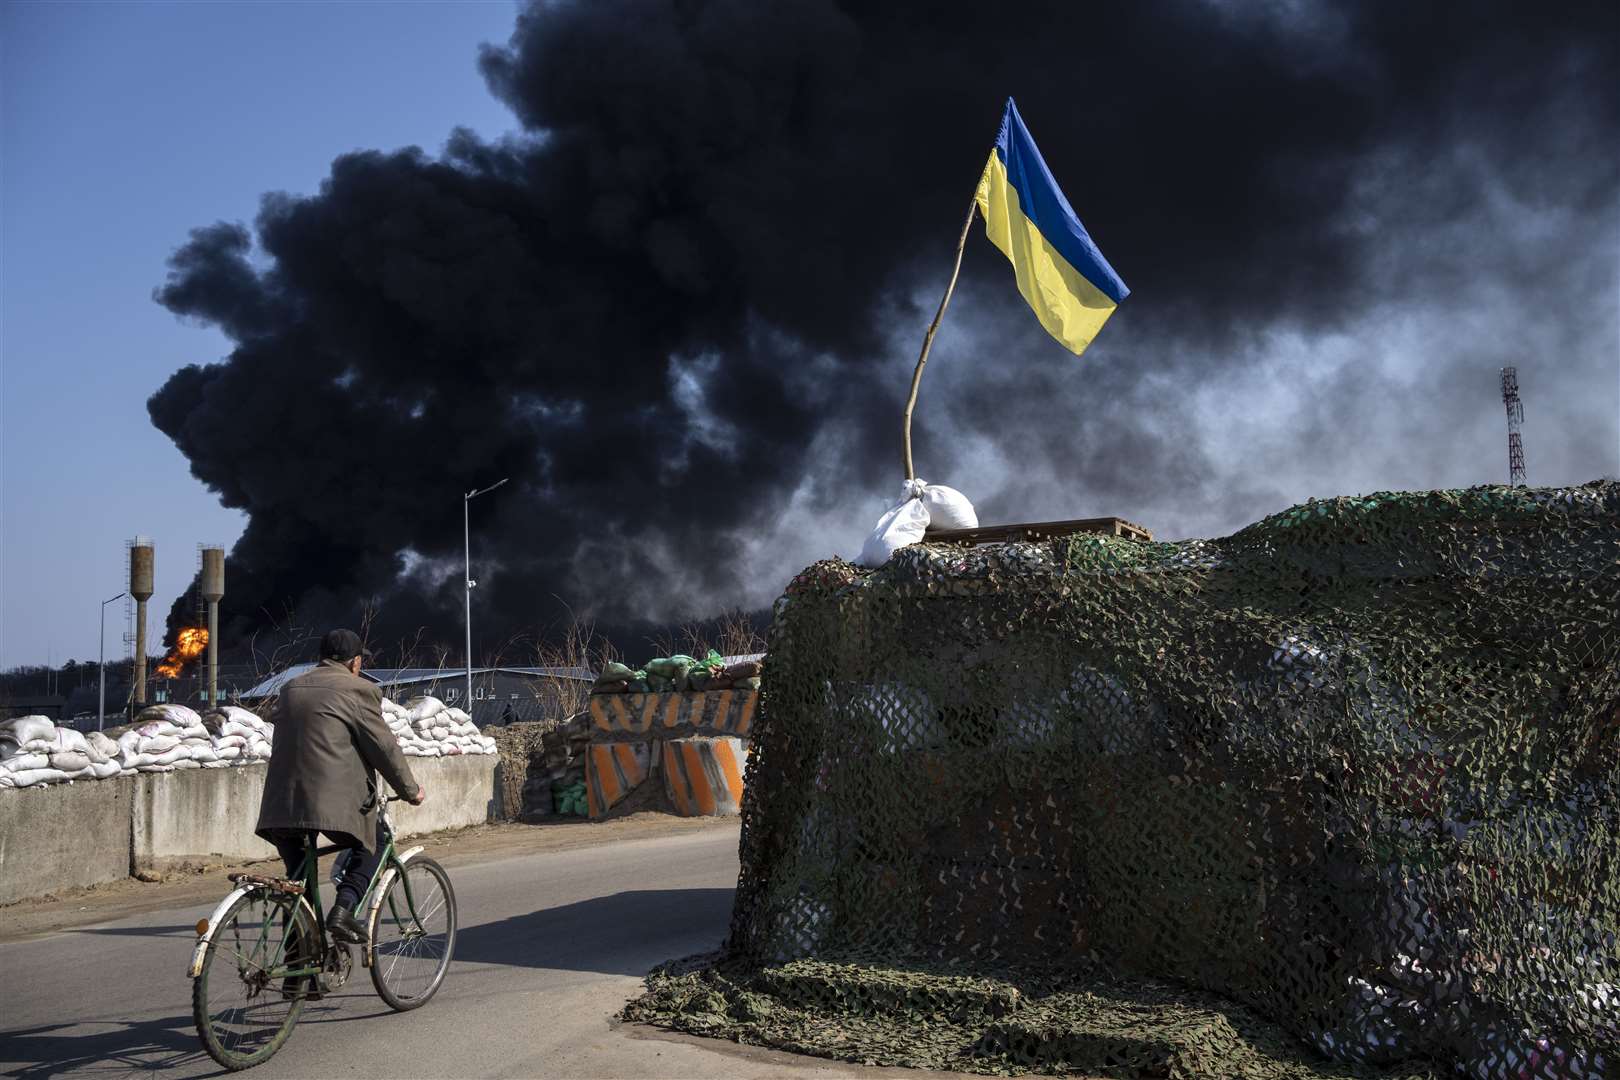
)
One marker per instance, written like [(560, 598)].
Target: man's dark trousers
[(362, 864)]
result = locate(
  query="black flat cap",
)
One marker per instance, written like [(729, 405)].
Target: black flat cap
[(341, 645)]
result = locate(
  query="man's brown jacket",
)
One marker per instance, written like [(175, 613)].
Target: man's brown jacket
[(330, 742)]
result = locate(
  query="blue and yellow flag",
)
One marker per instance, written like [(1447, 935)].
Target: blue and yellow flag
[(1060, 271)]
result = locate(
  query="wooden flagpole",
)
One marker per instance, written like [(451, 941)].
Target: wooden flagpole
[(928, 339)]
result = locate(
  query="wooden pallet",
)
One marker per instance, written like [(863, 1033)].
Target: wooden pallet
[(1039, 530)]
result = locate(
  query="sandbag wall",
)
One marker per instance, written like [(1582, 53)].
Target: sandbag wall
[(164, 738), (693, 744)]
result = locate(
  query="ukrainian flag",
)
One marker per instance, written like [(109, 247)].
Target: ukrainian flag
[(1060, 271)]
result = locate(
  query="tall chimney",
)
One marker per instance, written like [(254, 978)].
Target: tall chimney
[(140, 587), (213, 588)]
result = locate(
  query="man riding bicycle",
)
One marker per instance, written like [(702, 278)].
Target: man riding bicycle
[(330, 742)]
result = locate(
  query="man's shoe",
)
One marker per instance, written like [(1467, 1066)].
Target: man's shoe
[(344, 927)]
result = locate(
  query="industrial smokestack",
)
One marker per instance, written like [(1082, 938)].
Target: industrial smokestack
[(213, 588), (140, 587)]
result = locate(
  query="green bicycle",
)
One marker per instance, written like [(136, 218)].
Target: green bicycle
[(264, 951)]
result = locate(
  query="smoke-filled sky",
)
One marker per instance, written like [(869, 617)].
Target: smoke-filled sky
[(679, 302)]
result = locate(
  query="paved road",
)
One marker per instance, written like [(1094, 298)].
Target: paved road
[(551, 946)]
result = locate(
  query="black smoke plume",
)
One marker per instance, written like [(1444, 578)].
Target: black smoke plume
[(680, 309)]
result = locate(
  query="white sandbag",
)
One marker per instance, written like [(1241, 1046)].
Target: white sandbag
[(237, 714), (12, 752), (70, 761), (26, 761), (102, 770), (30, 777), (66, 738), (425, 707), (440, 732), (156, 729), (457, 716), (224, 741), (129, 742), (904, 524), (203, 754), (464, 729), (234, 727), (229, 753), (181, 716), (159, 744), (195, 731), (186, 763), (948, 508), (27, 728), (102, 744), (170, 756)]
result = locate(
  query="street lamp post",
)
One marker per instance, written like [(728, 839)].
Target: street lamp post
[(466, 540), (101, 707)]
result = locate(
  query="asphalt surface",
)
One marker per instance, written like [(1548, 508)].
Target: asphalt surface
[(550, 947)]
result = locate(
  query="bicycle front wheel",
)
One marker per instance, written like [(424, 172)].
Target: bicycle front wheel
[(413, 933), (243, 1002)]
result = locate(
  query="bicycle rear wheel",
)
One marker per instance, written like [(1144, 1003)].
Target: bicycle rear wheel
[(243, 1008), (413, 934)]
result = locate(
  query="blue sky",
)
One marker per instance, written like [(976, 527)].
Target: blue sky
[(122, 127)]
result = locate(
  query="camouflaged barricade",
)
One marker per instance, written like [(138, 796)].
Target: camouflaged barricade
[(1355, 768)]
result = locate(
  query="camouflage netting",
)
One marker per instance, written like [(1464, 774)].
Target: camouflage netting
[(1337, 793)]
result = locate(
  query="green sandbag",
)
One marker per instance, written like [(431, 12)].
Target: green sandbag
[(664, 667), (613, 671), (698, 679), (658, 685), (638, 685)]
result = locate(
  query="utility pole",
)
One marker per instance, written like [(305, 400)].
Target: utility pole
[(101, 705), (466, 540), (1515, 417)]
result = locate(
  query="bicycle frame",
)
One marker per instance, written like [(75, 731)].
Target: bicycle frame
[(391, 862)]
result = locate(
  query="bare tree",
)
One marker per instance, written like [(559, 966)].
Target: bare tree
[(576, 650)]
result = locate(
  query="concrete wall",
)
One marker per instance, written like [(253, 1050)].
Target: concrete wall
[(69, 835), (64, 836), (197, 815)]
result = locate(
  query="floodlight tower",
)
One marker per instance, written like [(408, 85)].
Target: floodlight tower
[(1515, 417)]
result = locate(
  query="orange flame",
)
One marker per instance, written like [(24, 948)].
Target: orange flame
[(193, 640)]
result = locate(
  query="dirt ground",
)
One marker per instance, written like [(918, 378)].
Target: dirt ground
[(199, 884)]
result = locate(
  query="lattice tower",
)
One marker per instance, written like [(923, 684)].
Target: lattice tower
[(1515, 417)]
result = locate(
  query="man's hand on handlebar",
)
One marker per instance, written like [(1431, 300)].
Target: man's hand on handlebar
[(421, 794)]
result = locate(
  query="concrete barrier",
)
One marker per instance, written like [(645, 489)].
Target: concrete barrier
[(71, 835), (697, 740), (64, 836)]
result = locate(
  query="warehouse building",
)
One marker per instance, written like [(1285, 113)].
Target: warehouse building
[(501, 695)]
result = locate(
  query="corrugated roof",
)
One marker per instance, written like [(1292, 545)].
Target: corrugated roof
[(406, 676), (583, 673), (272, 686)]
